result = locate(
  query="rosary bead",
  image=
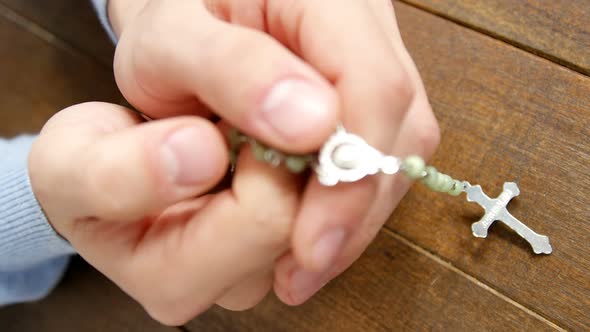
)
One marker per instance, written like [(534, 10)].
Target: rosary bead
[(258, 150), (296, 164), (436, 181), (457, 188), (446, 183), (414, 167), (272, 157), (346, 156), (431, 177), (234, 138), (439, 182)]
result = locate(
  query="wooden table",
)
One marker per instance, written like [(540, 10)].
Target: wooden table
[(508, 81)]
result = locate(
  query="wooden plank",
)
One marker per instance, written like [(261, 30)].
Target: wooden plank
[(39, 79), (52, 84), (84, 301), (72, 21), (506, 115), (393, 287), (556, 29)]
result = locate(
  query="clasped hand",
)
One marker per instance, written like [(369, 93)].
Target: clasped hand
[(132, 196)]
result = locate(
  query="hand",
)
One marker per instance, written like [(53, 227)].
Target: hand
[(129, 197), (286, 72)]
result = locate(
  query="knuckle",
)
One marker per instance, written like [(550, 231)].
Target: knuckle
[(268, 212), (398, 86), (145, 55), (170, 303), (393, 88), (245, 304), (166, 316), (428, 136), (388, 4), (148, 44), (163, 19), (272, 227)]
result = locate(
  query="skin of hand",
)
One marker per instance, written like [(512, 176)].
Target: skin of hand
[(283, 71), (286, 72), (131, 197)]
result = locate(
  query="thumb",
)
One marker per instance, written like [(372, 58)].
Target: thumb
[(245, 76), (96, 161)]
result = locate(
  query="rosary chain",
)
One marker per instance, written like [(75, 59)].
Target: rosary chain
[(413, 167)]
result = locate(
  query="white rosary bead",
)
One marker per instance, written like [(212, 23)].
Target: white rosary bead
[(346, 156)]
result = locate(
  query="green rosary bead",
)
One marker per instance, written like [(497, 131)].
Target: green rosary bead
[(235, 139), (414, 167), (445, 183), (272, 157), (457, 188), (429, 179), (437, 182), (258, 150), (296, 164)]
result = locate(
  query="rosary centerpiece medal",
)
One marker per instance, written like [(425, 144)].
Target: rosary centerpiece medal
[(346, 157)]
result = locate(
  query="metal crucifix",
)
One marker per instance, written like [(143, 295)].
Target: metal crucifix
[(496, 210)]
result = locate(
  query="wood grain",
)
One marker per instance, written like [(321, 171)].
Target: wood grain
[(70, 21), (38, 79), (393, 287), (556, 29), (84, 301), (506, 115)]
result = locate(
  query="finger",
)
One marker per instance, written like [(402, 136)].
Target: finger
[(368, 82), (233, 237), (248, 293), (265, 91), (384, 13), (418, 135), (375, 93), (123, 170), (294, 284)]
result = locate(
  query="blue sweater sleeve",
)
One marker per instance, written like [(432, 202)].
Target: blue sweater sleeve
[(101, 7), (33, 257)]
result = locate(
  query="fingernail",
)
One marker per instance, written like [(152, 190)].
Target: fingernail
[(304, 284), (294, 107), (187, 157), (327, 248)]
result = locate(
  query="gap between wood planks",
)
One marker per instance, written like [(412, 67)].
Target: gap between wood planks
[(529, 49), (40, 32), (49, 37), (386, 230)]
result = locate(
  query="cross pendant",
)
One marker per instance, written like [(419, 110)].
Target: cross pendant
[(347, 157), (495, 209)]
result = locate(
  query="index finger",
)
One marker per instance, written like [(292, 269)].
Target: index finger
[(351, 50)]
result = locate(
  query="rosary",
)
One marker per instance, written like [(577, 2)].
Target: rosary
[(346, 157)]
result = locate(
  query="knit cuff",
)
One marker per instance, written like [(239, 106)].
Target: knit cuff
[(26, 237), (101, 7), (32, 284)]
